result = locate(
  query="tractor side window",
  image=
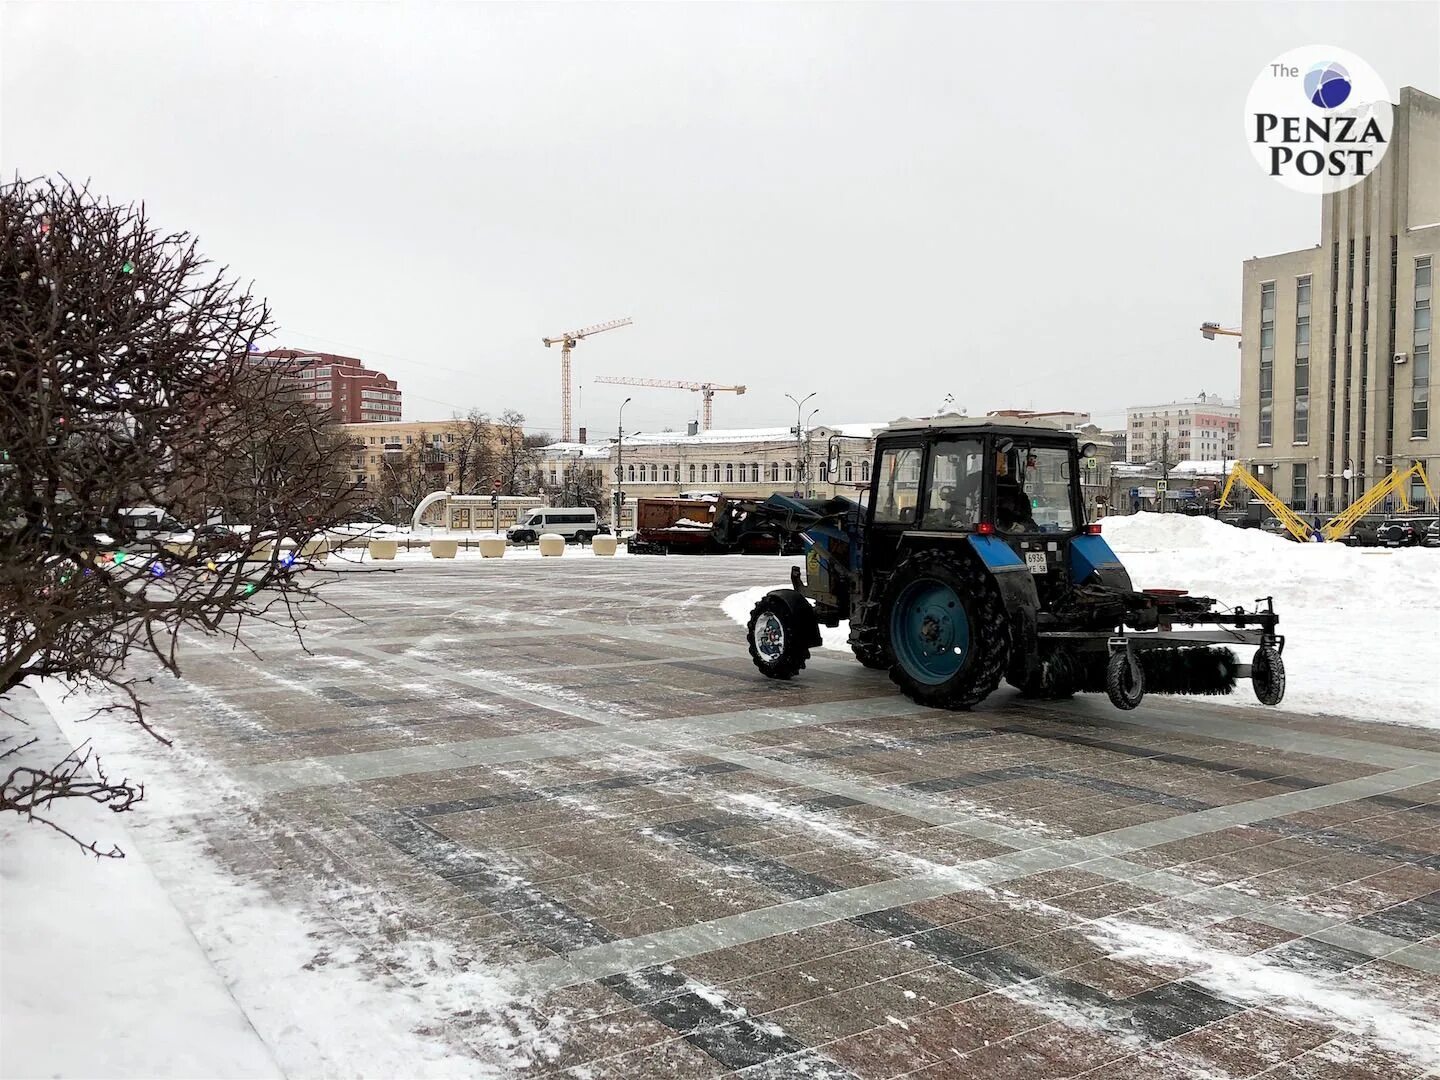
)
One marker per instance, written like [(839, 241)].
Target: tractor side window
[(953, 496), (899, 485)]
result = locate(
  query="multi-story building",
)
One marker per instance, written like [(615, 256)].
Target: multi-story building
[(353, 392), (1202, 428), (1336, 338), (377, 446)]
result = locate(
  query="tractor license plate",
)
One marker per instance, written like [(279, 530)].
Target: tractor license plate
[(1035, 562)]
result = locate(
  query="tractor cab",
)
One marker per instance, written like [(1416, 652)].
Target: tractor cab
[(944, 481)]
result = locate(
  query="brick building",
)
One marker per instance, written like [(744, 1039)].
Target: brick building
[(354, 393)]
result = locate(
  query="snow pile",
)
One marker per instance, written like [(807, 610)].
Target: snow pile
[(100, 974), (1360, 624), (170, 965)]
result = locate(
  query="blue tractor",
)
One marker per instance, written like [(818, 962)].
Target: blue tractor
[(971, 561)]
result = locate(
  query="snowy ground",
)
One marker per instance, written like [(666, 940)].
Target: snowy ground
[(175, 968), (1361, 625), (543, 817)]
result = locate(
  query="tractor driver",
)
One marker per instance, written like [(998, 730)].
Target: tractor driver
[(1012, 505)]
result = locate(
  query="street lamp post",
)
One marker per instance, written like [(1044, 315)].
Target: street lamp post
[(620, 465), (808, 490), (799, 437)]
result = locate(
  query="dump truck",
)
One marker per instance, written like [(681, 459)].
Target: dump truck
[(686, 527), (971, 562)]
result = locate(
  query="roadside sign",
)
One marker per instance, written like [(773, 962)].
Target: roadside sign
[(1091, 463), (1162, 485), (1145, 492)]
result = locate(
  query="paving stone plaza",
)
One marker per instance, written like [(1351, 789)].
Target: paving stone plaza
[(570, 772)]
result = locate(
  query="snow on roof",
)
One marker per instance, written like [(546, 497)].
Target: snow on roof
[(584, 450), (722, 436), (1202, 468)]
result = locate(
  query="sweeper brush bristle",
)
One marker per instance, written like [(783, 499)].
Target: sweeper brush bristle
[(1189, 671)]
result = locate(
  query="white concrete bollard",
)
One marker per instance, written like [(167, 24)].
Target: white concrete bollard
[(444, 549), (492, 547), (383, 549), (315, 551), (602, 545), (552, 544)]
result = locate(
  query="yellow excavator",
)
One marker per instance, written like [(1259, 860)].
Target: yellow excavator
[(1338, 527)]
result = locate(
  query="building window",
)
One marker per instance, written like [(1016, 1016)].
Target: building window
[(1420, 361), (692, 474), (755, 472), (824, 470), (630, 473), (1420, 393), (654, 473), (1267, 362), (665, 473), (1299, 480), (849, 472), (1302, 360), (704, 473), (865, 472), (729, 473), (789, 471), (774, 472)]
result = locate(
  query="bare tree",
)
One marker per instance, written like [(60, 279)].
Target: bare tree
[(126, 380), (517, 454), (579, 484), (474, 453), (407, 477)]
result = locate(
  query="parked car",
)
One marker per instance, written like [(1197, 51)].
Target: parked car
[(1362, 534), (148, 527), (1275, 527), (1430, 532), (1403, 532), (217, 539)]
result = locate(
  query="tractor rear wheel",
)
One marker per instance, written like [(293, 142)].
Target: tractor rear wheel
[(943, 625), (1267, 676), (777, 642)]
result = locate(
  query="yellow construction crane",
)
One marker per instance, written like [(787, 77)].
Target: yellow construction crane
[(707, 391), (568, 341), (1292, 521), (1210, 330), (1394, 484), (1338, 527)]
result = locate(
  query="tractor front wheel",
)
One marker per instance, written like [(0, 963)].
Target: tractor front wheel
[(777, 641), (1124, 680), (943, 625), (1267, 676)]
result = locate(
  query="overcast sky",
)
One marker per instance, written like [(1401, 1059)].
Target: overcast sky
[(1022, 205)]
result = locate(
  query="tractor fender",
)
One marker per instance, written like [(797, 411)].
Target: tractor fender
[(1092, 562), (1017, 591), (805, 620)]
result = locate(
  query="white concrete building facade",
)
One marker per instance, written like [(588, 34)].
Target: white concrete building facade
[(1336, 362), (1202, 428)]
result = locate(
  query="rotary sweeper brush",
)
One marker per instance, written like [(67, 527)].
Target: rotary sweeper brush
[(971, 562)]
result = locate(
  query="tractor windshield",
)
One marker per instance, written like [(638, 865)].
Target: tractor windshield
[(1032, 489)]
